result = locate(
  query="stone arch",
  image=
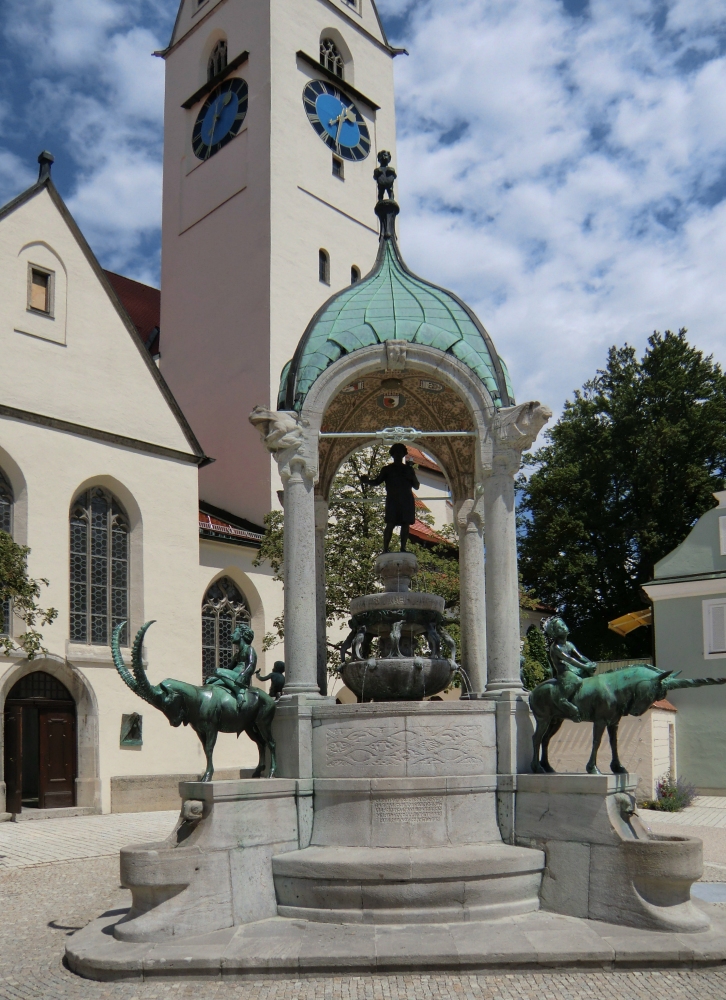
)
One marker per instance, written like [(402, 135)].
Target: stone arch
[(410, 360), (216, 36), (342, 46), (136, 540), (88, 780)]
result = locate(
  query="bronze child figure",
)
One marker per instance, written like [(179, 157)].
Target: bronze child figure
[(276, 678), (569, 667), (400, 479), (238, 676)]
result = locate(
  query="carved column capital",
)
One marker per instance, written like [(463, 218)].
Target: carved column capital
[(514, 430), (288, 437)]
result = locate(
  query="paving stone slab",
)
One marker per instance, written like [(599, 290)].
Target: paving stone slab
[(279, 946)]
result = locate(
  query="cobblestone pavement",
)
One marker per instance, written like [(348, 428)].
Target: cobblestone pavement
[(45, 840), (40, 905)]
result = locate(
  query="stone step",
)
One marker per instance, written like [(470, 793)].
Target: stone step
[(28, 815), (407, 885)]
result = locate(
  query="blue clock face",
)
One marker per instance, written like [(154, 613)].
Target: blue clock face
[(337, 120), (220, 119)]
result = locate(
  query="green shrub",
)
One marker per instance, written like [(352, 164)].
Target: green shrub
[(672, 795)]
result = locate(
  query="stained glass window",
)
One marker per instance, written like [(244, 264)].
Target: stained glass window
[(6, 524), (330, 57), (99, 568), (223, 609)]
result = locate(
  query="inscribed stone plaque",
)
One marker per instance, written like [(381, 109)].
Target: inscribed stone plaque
[(416, 809)]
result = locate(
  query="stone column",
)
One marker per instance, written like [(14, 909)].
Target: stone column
[(301, 653), (472, 602), (513, 431), (321, 526), (502, 584)]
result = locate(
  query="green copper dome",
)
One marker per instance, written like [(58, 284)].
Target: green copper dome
[(392, 303)]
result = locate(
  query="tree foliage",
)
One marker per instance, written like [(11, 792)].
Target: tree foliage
[(353, 541), (22, 592), (536, 667), (627, 470)]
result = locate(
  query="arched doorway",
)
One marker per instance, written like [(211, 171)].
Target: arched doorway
[(40, 744)]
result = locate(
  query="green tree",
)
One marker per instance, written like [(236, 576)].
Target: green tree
[(626, 471), (536, 667), (22, 593), (353, 541)]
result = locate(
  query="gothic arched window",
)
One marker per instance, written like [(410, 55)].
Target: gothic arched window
[(324, 266), (99, 568), (6, 524), (223, 609), (330, 57), (218, 59)]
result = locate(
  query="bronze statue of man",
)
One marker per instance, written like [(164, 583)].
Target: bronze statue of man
[(400, 479)]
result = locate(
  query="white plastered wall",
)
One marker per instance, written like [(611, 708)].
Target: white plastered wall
[(91, 373), (55, 466), (240, 285)]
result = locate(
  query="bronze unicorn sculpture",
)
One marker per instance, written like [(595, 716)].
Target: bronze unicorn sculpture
[(576, 693)]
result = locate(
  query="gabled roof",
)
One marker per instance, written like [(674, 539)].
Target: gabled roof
[(45, 183), (392, 303), (143, 304)]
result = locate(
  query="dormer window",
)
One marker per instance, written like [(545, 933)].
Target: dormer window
[(330, 57), (40, 290), (217, 60)]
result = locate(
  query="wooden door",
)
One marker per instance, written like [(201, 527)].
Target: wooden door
[(57, 758), (13, 759)]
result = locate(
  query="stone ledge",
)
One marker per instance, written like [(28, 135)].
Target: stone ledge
[(280, 947)]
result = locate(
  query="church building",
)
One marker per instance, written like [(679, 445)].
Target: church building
[(127, 462)]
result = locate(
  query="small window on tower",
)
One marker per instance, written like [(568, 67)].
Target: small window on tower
[(324, 266), (338, 168), (40, 290), (330, 57), (217, 60), (354, 275)]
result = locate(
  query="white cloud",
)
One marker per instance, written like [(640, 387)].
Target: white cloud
[(555, 171), (15, 176), (91, 71)]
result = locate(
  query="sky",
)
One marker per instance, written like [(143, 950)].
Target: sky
[(562, 163)]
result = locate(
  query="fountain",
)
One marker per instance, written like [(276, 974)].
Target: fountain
[(397, 620)]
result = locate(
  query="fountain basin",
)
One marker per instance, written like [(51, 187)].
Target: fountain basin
[(397, 678)]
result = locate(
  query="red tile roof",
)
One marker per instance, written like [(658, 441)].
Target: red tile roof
[(423, 533), (423, 460), (211, 526), (142, 303), (664, 703)]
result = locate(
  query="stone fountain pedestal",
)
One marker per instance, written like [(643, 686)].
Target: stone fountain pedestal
[(397, 838), (396, 622), (221, 898)]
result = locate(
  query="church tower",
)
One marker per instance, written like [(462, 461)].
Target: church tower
[(275, 111)]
